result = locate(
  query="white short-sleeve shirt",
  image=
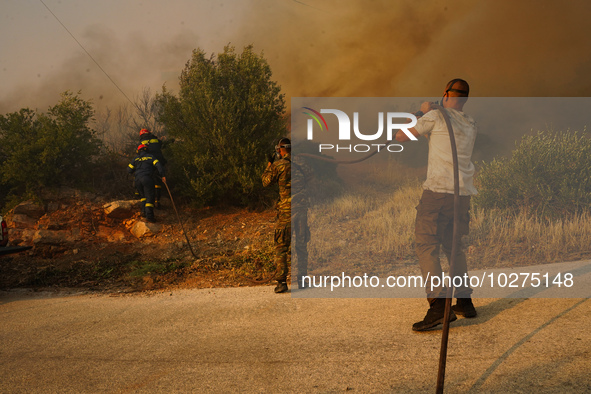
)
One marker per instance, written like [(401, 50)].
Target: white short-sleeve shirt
[(440, 176)]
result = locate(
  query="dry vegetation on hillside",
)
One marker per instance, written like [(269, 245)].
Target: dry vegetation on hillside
[(370, 229)]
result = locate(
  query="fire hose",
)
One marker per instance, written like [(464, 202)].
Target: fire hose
[(179, 219), (454, 246)]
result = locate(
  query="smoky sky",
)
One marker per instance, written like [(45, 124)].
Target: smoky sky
[(370, 48), (132, 63), (408, 48)]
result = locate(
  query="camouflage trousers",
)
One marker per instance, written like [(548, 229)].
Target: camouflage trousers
[(286, 227), (434, 230)]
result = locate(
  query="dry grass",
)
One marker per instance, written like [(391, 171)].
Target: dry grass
[(498, 238), (373, 231)]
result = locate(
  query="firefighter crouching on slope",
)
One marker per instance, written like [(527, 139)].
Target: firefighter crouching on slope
[(435, 212), (279, 171), (143, 166), (155, 149)]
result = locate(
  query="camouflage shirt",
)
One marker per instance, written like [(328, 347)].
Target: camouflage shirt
[(280, 172)]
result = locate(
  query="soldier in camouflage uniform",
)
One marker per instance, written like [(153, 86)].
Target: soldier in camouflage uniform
[(280, 172)]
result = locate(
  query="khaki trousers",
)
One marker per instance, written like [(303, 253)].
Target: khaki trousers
[(434, 230)]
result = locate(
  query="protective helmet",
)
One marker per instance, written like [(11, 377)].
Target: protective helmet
[(144, 131), (284, 143), (142, 147)]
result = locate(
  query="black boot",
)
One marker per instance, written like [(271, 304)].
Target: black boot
[(434, 316), (150, 214), (143, 208), (465, 307), (281, 287)]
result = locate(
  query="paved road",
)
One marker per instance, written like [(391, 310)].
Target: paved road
[(251, 340)]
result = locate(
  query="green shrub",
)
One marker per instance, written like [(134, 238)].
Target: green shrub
[(228, 112), (41, 150), (548, 174)]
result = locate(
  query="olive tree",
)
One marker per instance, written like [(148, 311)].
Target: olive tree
[(224, 120)]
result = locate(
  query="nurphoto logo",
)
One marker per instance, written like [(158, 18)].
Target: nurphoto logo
[(391, 120)]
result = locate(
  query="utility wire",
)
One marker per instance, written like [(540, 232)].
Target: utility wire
[(89, 55), (308, 5)]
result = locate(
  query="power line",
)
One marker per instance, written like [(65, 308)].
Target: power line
[(89, 55), (308, 5)]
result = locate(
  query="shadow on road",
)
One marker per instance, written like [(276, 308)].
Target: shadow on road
[(478, 384)]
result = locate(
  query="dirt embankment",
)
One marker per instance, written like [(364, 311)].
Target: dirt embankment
[(78, 244)]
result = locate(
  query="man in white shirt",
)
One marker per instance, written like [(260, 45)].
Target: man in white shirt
[(434, 221)]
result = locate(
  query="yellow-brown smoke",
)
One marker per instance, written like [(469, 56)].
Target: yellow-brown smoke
[(355, 48), (412, 48)]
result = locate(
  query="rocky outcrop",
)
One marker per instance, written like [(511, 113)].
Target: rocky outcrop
[(144, 229), (21, 221), (29, 209), (62, 225), (110, 234), (121, 209), (51, 237)]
